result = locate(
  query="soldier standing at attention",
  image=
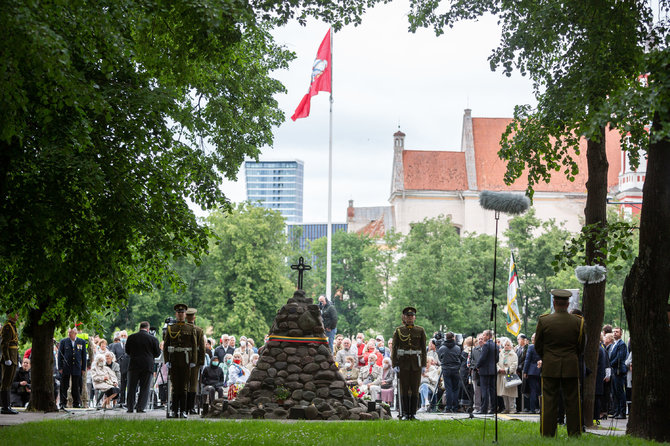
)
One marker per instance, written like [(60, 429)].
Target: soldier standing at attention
[(180, 351), (559, 340), (194, 374), (10, 360), (409, 355)]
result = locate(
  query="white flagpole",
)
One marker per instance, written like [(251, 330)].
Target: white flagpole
[(329, 230)]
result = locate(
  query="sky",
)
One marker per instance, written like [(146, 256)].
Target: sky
[(384, 79)]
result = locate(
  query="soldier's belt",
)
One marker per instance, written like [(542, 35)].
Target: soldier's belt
[(186, 350), (402, 352)]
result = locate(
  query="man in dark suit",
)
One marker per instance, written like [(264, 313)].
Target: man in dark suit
[(141, 348), (486, 365), (71, 366), (559, 340), (617, 357)]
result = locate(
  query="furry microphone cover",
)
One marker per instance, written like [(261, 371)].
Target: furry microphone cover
[(590, 274), (505, 202)]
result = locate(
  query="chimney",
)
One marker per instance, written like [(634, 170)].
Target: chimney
[(350, 212), (468, 146)]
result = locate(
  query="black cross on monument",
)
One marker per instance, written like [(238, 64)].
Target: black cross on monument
[(301, 267)]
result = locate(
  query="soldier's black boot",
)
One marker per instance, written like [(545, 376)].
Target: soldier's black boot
[(190, 403), (175, 405), (412, 407), (6, 407), (405, 407), (183, 412)]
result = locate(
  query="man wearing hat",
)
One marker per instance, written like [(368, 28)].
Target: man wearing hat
[(409, 355), (10, 360), (194, 373), (559, 340), (180, 352)]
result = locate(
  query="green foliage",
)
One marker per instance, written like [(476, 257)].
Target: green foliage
[(114, 117), (357, 287), (447, 278), (246, 283)]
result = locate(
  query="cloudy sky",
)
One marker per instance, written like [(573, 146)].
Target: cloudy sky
[(384, 78)]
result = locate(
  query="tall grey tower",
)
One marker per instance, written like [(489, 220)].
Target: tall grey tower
[(276, 185)]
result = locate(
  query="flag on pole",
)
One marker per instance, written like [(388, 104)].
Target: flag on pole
[(512, 307), (321, 78)]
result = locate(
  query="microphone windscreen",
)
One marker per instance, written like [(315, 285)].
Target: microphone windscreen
[(591, 273), (505, 202)]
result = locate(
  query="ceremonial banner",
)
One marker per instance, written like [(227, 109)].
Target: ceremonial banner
[(512, 307), (321, 78)]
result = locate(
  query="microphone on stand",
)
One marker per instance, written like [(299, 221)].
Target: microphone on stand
[(505, 202)]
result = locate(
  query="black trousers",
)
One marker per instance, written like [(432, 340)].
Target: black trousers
[(143, 378), (76, 389), (488, 383), (124, 385)]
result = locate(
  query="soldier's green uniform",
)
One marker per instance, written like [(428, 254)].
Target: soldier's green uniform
[(10, 360), (409, 355), (559, 340), (194, 374), (180, 349)]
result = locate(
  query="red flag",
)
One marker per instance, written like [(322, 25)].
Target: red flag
[(321, 78)]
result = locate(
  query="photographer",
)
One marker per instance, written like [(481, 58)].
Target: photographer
[(450, 359), (20, 394)]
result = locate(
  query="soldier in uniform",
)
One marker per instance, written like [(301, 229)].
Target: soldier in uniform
[(409, 355), (559, 340), (180, 350), (194, 373), (10, 360)]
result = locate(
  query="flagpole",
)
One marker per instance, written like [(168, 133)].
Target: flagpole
[(329, 230)]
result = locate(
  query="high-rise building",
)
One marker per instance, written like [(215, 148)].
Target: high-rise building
[(276, 185)]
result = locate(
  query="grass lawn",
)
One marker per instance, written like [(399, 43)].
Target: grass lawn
[(123, 432)]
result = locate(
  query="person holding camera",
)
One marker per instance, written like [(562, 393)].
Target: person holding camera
[(450, 359)]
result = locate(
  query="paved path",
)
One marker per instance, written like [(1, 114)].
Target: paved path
[(609, 427)]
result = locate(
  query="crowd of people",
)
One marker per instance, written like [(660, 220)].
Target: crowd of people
[(461, 374)]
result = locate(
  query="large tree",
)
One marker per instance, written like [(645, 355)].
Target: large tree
[(578, 54), (115, 115)]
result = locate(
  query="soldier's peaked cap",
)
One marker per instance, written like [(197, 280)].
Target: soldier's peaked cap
[(191, 311), (409, 311), (561, 294), (180, 307)]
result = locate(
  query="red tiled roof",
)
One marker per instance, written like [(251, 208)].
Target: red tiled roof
[(375, 228), (426, 170), (446, 171)]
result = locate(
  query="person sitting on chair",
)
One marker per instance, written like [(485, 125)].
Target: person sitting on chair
[(212, 380)]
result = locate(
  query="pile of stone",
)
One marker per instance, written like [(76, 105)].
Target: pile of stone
[(303, 368)]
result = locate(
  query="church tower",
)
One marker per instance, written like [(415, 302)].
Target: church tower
[(468, 146), (398, 177)]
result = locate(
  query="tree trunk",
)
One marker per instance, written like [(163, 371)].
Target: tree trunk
[(594, 294), (42, 397), (645, 297)]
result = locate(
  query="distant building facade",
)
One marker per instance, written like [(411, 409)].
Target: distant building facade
[(427, 184), (276, 185), (308, 232)]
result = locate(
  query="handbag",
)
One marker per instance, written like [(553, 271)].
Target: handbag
[(512, 380)]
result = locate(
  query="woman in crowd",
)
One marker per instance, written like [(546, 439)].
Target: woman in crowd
[(244, 351), (349, 371), (384, 391), (429, 378), (507, 363), (466, 389), (102, 347), (105, 380), (371, 374)]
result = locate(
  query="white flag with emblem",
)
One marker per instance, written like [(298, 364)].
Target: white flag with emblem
[(512, 307)]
